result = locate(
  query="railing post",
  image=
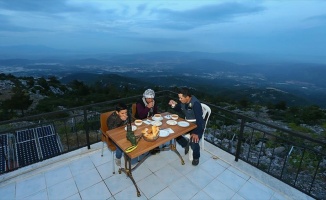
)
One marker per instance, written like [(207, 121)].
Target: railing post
[(237, 153), (86, 129)]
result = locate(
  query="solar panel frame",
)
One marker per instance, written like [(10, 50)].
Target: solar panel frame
[(3, 152)]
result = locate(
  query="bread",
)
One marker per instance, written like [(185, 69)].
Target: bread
[(151, 133), (155, 130)]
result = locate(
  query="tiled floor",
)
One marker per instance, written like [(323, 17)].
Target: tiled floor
[(89, 176)]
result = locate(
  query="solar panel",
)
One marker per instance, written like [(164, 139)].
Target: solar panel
[(39, 132), (35, 144), (47, 130), (27, 153), (49, 146), (25, 135)]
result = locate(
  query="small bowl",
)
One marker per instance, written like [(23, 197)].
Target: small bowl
[(138, 122), (157, 116), (174, 116)]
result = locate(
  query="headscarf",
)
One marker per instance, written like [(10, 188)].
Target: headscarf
[(149, 93)]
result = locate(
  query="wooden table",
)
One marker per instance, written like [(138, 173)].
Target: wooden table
[(118, 136)]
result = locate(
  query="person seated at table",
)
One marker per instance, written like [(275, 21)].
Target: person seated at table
[(192, 110), (117, 119), (146, 106)]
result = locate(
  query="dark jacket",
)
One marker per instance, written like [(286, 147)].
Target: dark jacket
[(142, 112), (115, 121), (193, 110)]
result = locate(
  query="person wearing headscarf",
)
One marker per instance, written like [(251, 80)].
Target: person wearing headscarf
[(146, 106)]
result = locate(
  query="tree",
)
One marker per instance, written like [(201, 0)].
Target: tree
[(53, 80), (281, 105), (79, 88), (42, 82), (311, 114), (244, 103), (19, 100)]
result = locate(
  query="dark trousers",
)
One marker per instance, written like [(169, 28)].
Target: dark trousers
[(194, 146)]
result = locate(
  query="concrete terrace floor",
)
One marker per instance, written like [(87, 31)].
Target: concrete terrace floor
[(84, 174)]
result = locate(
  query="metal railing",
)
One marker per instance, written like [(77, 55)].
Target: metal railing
[(291, 157), (294, 158)]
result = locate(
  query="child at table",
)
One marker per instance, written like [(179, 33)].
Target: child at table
[(117, 119)]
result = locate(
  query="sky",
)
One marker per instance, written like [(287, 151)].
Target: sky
[(287, 27)]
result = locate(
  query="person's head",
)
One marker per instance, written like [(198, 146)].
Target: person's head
[(121, 110), (149, 95), (184, 95)]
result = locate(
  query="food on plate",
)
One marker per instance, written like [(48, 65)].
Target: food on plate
[(151, 133), (174, 116)]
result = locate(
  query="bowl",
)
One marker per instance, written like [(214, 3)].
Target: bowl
[(138, 122), (148, 136), (152, 139), (174, 116), (157, 116)]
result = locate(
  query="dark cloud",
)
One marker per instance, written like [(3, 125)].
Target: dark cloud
[(204, 15)]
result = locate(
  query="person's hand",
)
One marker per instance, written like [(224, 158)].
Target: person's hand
[(124, 117), (172, 103), (150, 105), (194, 138)]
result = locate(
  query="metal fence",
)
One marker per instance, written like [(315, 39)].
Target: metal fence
[(293, 158)]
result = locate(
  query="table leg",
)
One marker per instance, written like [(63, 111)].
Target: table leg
[(174, 148), (128, 171)]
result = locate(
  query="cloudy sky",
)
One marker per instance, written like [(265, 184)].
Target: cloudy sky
[(280, 27)]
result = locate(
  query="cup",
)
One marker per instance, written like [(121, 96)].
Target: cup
[(138, 122), (157, 117), (174, 116)]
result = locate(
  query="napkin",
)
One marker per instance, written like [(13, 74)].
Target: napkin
[(147, 121), (167, 116)]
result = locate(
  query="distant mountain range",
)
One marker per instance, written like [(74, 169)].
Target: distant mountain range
[(214, 73), (45, 52)]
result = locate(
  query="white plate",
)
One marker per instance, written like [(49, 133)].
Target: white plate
[(171, 122), (183, 124), (133, 128), (156, 123), (157, 118), (191, 120), (164, 133)]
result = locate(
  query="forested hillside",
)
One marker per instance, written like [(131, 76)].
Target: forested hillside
[(21, 96)]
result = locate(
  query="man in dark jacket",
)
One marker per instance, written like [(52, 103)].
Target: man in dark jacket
[(191, 107)]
